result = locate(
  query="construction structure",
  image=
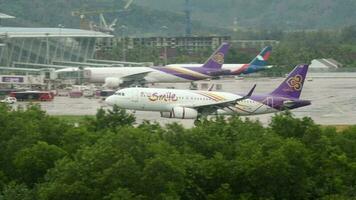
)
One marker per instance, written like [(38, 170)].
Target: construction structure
[(192, 43), (258, 44), (103, 25)]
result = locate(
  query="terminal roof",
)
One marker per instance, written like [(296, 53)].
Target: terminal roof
[(5, 16), (19, 32), (20, 69)]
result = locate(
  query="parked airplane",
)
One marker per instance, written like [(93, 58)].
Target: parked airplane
[(188, 104), (125, 76), (259, 63)]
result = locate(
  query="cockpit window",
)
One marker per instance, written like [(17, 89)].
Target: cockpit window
[(120, 94)]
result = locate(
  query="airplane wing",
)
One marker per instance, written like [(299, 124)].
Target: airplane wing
[(137, 76), (211, 108)]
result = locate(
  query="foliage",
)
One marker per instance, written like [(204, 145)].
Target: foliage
[(294, 47), (15, 191), (110, 119), (107, 157)]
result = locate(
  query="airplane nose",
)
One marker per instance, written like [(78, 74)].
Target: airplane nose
[(110, 100)]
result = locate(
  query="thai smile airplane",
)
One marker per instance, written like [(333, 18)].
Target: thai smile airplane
[(190, 104)]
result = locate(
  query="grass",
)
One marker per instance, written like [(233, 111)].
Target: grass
[(74, 118), (339, 128)]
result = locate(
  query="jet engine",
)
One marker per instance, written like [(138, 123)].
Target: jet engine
[(112, 82), (181, 113)]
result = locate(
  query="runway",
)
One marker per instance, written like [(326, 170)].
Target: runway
[(333, 100)]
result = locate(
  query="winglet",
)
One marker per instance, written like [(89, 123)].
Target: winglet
[(249, 94), (211, 87), (251, 91)]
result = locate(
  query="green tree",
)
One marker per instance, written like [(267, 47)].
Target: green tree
[(110, 119), (14, 191), (33, 162)]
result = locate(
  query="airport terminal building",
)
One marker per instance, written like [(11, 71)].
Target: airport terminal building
[(44, 45), (29, 53)]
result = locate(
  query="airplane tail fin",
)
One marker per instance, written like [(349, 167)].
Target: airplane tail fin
[(257, 64), (292, 86), (262, 58), (216, 60)]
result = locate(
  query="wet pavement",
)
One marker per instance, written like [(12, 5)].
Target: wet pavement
[(333, 100)]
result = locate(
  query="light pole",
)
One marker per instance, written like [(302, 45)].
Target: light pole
[(47, 48), (165, 36), (61, 48), (123, 28), (2, 47)]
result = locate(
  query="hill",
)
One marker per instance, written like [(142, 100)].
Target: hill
[(145, 18), (139, 20), (262, 14)]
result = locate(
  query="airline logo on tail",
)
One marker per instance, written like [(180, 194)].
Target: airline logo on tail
[(257, 64), (292, 86), (295, 82), (264, 57), (219, 58), (216, 60)]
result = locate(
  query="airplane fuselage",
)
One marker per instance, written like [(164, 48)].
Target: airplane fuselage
[(190, 104), (164, 100), (152, 74), (233, 69)]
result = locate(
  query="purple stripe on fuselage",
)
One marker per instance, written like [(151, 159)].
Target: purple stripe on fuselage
[(200, 70), (203, 70), (280, 103), (176, 73)]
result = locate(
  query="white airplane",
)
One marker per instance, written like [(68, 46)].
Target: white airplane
[(259, 63), (114, 77), (188, 104)]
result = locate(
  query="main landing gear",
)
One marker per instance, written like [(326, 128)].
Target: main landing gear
[(193, 86)]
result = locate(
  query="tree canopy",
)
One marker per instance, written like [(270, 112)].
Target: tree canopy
[(111, 157)]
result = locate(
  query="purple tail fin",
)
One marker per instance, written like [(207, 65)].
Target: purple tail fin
[(217, 59), (292, 86)]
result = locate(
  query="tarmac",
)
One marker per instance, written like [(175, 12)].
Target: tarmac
[(333, 100)]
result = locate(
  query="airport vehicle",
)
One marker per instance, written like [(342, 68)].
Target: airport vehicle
[(187, 104), (33, 96), (259, 63), (9, 100)]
